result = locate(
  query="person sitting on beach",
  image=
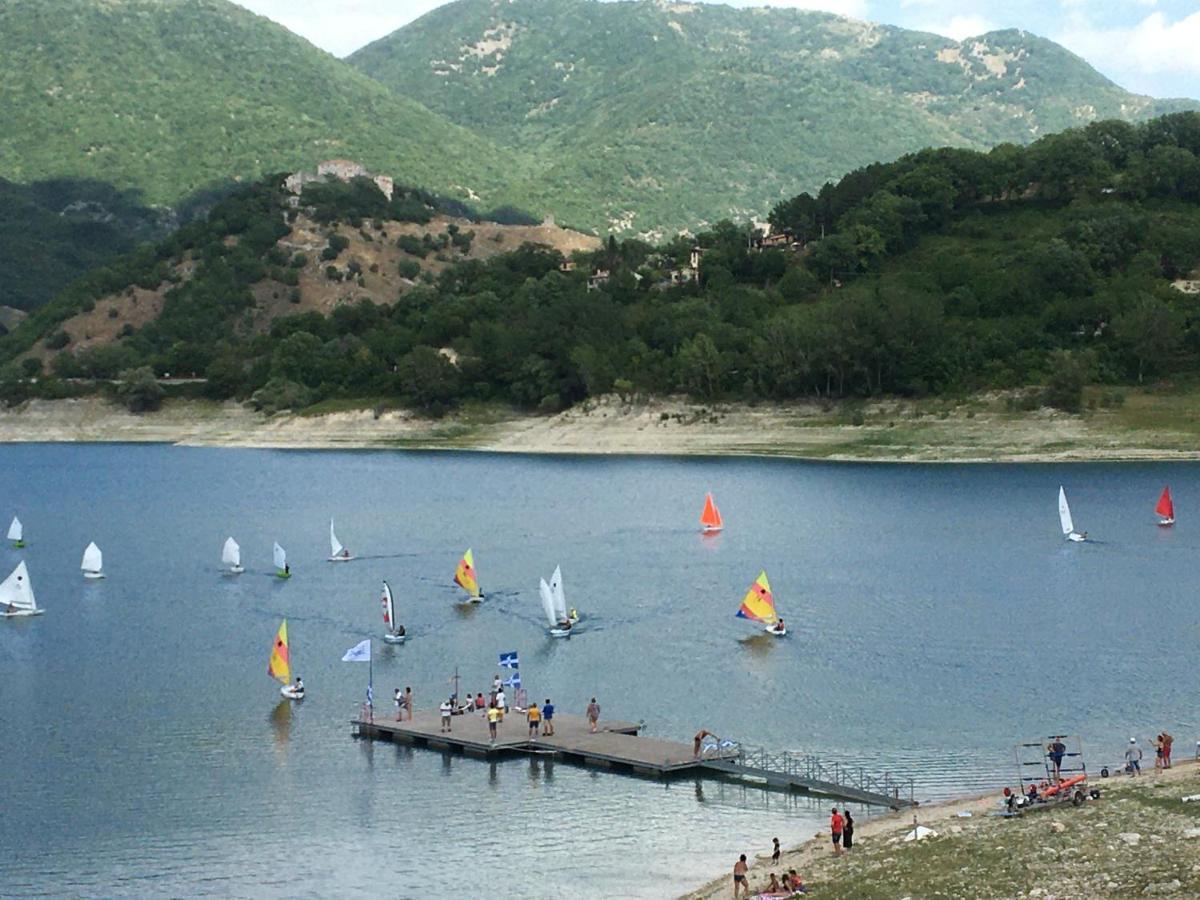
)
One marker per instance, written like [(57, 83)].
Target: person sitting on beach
[(480, 703), (772, 885), (795, 882)]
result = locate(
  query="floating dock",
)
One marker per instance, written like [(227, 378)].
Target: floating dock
[(615, 745)]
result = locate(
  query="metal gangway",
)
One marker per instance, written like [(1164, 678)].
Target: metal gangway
[(807, 773)]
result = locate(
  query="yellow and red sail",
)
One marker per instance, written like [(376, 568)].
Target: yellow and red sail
[(711, 517), (280, 665), (464, 575), (759, 603)]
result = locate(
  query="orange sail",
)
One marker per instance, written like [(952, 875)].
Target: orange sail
[(1165, 507), (464, 575), (280, 665), (711, 517)]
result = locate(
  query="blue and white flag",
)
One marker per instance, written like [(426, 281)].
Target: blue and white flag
[(370, 695), (513, 681), (509, 660), (360, 652)]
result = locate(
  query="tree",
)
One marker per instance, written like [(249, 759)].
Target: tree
[(699, 366), (139, 390), (1152, 331), (428, 379)]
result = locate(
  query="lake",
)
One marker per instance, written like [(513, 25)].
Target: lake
[(937, 618)]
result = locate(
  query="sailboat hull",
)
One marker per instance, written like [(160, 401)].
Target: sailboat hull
[(235, 570), (474, 600), (1166, 522), (1077, 538), (18, 545), (283, 574), (770, 629), (712, 529), (560, 632), (291, 693), (93, 576), (390, 638), (20, 613), (341, 558)]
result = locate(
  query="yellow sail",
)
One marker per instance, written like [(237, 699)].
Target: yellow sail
[(464, 575), (280, 665), (759, 603)]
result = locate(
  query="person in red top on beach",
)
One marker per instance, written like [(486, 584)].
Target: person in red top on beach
[(835, 826)]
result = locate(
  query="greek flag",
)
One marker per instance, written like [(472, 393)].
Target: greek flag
[(360, 652), (509, 660), (513, 681)]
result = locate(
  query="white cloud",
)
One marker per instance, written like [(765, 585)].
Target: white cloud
[(1154, 46), (959, 27), (855, 9)]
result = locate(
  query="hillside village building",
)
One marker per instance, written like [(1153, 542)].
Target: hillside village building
[(342, 170)]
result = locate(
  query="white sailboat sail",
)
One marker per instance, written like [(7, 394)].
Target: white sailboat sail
[(93, 559), (16, 592), (335, 546), (231, 554), (547, 596), (280, 557), (1064, 512), (389, 608), (560, 598), (16, 531)]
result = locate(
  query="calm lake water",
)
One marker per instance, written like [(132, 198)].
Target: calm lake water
[(937, 618)]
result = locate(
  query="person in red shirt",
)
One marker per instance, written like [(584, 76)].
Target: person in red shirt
[(836, 822)]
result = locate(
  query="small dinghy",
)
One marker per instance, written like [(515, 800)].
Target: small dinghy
[(337, 553), (1064, 518), (554, 604), (710, 518), (16, 594), (280, 665), (16, 533), (1165, 508), (93, 562), (231, 555), (759, 606), (281, 565), (393, 633), (465, 578)]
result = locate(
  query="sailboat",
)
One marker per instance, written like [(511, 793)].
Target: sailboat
[(395, 633), (554, 604), (759, 606), (710, 519), (465, 578), (337, 553), (1064, 518), (1165, 508), (280, 665), (231, 555), (281, 566), (93, 562), (16, 594), (16, 533), (560, 598)]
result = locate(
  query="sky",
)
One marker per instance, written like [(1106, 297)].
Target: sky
[(1148, 46)]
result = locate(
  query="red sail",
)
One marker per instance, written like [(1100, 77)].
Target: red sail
[(1165, 507)]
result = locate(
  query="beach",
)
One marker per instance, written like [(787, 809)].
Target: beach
[(983, 429), (1139, 838)]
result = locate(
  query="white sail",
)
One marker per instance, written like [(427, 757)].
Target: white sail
[(547, 596), (560, 598), (93, 559), (231, 553), (280, 558), (389, 608), (335, 546), (1064, 512), (16, 591), (16, 530)]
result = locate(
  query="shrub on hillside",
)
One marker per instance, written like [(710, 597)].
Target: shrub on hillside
[(139, 390)]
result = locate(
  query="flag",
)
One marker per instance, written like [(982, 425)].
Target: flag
[(513, 681), (509, 660), (360, 652), (370, 695)]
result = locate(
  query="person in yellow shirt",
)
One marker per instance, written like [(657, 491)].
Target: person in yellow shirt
[(493, 716), (534, 715)]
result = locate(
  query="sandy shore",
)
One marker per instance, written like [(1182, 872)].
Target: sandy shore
[(981, 431), (1058, 851)]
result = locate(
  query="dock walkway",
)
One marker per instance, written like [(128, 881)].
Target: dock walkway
[(614, 745)]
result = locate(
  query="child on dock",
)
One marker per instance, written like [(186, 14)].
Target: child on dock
[(534, 715)]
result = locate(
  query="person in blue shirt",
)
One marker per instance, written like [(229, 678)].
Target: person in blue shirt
[(547, 718)]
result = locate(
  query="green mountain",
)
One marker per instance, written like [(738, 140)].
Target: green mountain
[(171, 96), (653, 115)]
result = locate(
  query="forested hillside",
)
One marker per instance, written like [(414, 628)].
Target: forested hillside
[(948, 271), (654, 116)]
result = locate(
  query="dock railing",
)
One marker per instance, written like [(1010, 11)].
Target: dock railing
[(807, 768)]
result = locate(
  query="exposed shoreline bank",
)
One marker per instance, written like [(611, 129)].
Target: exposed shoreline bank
[(888, 431)]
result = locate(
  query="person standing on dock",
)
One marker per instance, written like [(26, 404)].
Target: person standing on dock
[(836, 824), (534, 715), (408, 702), (493, 717), (739, 877), (445, 709), (398, 699), (547, 718), (593, 715)]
